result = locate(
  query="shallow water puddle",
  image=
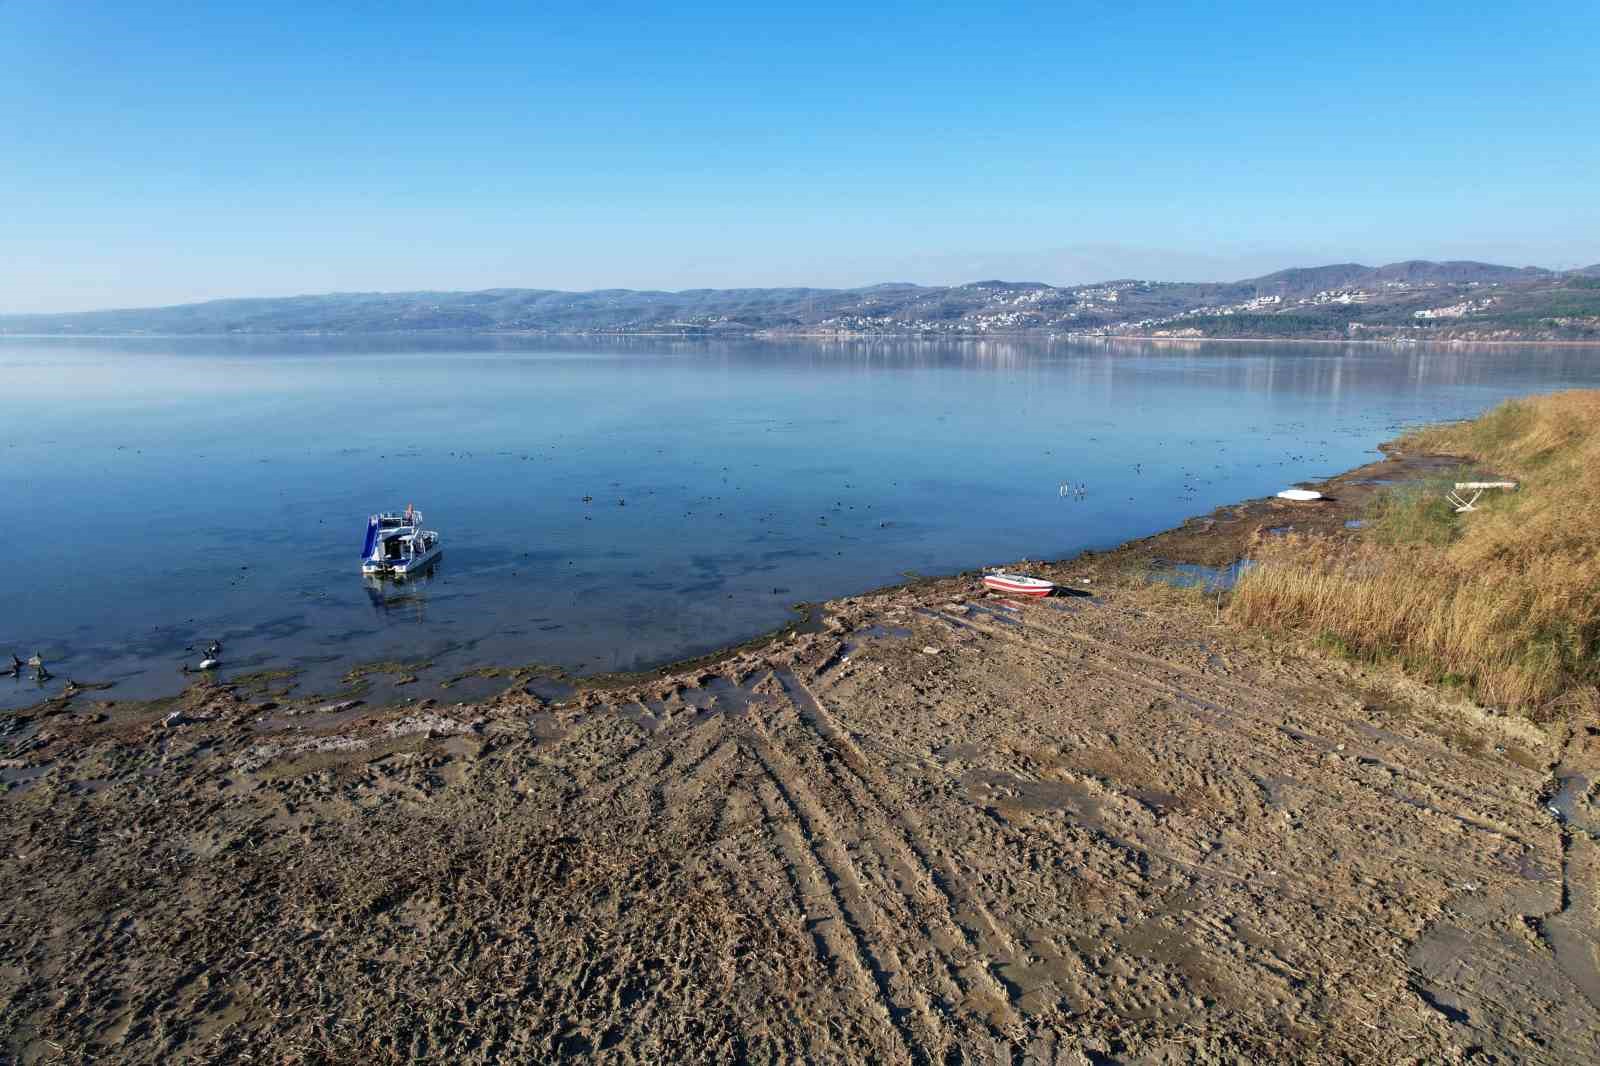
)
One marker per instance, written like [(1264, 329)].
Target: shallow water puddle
[(1570, 805), (1196, 575), (718, 695), (998, 613), (953, 623), (859, 638), (644, 717), (19, 779), (550, 689)]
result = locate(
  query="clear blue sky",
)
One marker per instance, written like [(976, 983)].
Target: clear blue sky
[(170, 152)]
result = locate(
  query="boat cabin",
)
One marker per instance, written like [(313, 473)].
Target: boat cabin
[(397, 544)]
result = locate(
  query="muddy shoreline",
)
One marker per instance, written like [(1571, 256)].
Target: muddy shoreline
[(930, 825), (1216, 540)]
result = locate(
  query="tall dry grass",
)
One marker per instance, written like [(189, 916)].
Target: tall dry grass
[(1504, 600)]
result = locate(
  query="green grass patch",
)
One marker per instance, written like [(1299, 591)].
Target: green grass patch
[(1413, 514), (1338, 647)]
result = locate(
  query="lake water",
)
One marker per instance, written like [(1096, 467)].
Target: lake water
[(157, 493)]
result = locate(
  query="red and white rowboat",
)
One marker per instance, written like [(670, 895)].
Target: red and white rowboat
[(1018, 585)]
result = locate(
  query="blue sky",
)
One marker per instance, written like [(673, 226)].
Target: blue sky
[(192, 151)]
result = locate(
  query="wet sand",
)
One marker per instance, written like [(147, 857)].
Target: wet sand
[(938, 827)]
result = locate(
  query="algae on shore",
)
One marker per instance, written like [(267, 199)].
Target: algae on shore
[(395, 667)]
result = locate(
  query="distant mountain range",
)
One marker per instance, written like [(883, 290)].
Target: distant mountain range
[(1418, 300)]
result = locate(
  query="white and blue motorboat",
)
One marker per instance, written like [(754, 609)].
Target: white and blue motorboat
[(397, 545)]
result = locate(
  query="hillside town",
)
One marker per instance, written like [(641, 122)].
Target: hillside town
[(1410, 301)]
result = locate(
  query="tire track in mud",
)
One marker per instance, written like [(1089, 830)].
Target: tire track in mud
[(676, 780), (889, 835), (897, 836), (653, 756), (1243, 710), (622, 766), (820, 911), (690, 744), (1288, 886), (1108, 651), (817, 856), (712, 759), (907, 826)]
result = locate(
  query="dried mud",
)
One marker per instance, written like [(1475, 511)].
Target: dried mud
[(942, 828)]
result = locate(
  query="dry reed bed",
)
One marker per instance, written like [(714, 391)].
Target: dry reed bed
[(1504, 600)]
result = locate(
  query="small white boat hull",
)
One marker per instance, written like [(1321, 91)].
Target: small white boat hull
[(1299, 495), (1018, 585)]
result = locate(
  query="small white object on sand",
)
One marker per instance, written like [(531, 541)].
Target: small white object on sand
[(1299, 495)]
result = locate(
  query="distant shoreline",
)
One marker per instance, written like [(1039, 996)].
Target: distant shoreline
[(767, 335), (1408, 302)]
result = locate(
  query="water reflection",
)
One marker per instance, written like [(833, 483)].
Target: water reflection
[(405, 597), (613, 502)]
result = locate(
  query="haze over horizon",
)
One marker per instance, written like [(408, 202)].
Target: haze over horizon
[(164, 157)]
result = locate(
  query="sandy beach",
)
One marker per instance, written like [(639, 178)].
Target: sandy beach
[(932, 826)]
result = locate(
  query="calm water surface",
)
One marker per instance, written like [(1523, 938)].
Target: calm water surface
[(158, 493)]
